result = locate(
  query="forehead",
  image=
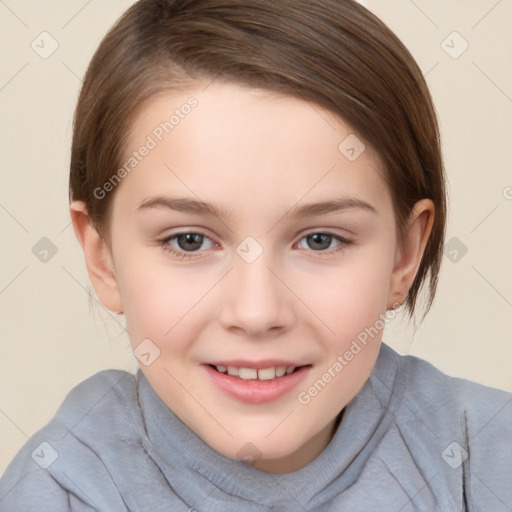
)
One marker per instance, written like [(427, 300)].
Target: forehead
[(229, 143)]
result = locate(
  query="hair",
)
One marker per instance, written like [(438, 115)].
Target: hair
[(334, 53)]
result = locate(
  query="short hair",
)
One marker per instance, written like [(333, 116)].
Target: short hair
[(334, 53)]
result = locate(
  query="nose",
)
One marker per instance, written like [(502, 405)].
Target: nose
[(255, 301)]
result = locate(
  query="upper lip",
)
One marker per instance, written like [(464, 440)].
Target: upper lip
[(256, 365)]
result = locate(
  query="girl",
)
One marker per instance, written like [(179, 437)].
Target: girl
[(258, 187)]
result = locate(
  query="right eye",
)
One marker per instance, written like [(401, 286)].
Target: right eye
[(186, 243)]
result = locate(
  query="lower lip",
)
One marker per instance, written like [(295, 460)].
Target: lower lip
[(256, 391)]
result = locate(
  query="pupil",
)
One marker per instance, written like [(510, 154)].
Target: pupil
[(190, 241), (319, 241)]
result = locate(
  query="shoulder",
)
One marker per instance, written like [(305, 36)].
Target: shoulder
[(447, 404), (97, 411), (455, 428), (442, 395)]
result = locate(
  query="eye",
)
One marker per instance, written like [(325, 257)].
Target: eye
[(322, 242), (183, 243)]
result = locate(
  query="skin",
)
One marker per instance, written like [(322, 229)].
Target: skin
[(255, 155)]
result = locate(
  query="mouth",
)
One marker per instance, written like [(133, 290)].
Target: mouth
[(256, 383)]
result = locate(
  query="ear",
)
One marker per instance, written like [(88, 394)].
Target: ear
[(410, 251), (98, 258)]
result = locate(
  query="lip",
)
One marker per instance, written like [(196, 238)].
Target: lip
[(256, 391)]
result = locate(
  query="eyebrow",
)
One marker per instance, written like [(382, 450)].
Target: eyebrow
[(186, 205), (322, 208), (183, 204)]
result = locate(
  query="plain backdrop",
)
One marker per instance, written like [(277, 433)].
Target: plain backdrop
[(52, 338)]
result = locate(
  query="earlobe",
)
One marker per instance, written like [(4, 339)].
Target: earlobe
[(410, 252), (98, 258)]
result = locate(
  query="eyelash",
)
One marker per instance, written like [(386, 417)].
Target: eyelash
[(165, 244)]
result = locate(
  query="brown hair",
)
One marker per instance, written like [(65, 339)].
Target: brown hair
[(334, 53)]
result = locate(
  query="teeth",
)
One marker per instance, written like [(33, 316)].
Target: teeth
[(267, 374), (248, 373), (252, 374)]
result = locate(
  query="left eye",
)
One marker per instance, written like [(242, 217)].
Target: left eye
[(320, 241)]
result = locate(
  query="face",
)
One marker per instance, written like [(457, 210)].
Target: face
[(251, 251)]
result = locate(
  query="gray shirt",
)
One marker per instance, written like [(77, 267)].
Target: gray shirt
[(413, 439)]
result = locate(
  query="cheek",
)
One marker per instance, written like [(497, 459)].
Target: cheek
[(350, 297), (351, 304), (158, 302)]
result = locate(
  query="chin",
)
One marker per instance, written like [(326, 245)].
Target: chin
[(280, 450)]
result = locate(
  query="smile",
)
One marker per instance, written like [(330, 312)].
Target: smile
[(256, 383), (252, 373)]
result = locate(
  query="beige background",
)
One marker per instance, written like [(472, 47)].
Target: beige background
[(51, 339)]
